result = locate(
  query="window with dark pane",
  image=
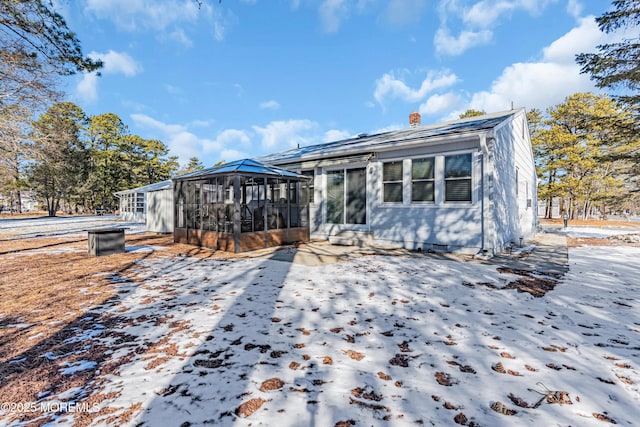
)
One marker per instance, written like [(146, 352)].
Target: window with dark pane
[(335, 197), (307, 192), (457, 176), (392, 182), (422, 180)]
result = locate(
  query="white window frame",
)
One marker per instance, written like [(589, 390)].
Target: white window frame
[(434, 180), (401, 181), (470, 178)]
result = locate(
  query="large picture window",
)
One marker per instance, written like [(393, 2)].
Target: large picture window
[(422, 180), (347, 196), (457, 178), (392, 182)]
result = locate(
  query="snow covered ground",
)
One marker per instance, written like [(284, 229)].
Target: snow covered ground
[(594, 231), (378, 340), (21, 228)]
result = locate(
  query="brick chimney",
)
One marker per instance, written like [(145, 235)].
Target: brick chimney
[(414, 119)]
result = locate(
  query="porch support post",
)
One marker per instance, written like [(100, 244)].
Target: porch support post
[(237, 219)]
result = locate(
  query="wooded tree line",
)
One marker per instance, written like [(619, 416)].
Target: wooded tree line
[(76, 162), (586, 152), (52, 148)]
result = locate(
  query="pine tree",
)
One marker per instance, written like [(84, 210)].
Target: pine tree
[(616, 65)]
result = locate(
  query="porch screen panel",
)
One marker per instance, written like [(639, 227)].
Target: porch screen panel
[(335, 197), (307, 191), (180, 217), (356, 206), (140, 202)]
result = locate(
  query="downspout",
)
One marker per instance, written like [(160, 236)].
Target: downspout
[(484, 167)]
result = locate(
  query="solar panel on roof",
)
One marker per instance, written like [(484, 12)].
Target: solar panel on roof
[(371, 141)]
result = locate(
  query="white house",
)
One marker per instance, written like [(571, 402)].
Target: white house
[(467, 185), (151, 204)]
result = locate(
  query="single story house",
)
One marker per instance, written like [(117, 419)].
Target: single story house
[(151, 204), (467, 185)]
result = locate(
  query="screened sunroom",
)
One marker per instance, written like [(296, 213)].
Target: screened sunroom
[(241, 206)]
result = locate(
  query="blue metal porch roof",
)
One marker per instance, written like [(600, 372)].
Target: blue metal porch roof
[(244, 166)]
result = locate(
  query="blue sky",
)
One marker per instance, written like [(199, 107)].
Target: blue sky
[(243, 78)]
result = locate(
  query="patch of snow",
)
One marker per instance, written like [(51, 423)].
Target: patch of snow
[(49, 355), (73, 367), (19, 325), (524, 249), (594, 232), (145, 248), (85, 335), (44, 394)]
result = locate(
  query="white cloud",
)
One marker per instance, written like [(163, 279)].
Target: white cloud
[(574, 7), (485, 13), (173, 90), (583, 38), (438, 103), (447, 44), (388, 86), (269, 105), (476, 22), (403, 12), (87, 87), (232, 144), (181, 37), (179, 139), (332, 12), (114, 63), (200, 123), (547, 82), (229, 155), (117, 63), (285, 134), (134, 15), (161, 16), (231, 137), (335, 135)]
